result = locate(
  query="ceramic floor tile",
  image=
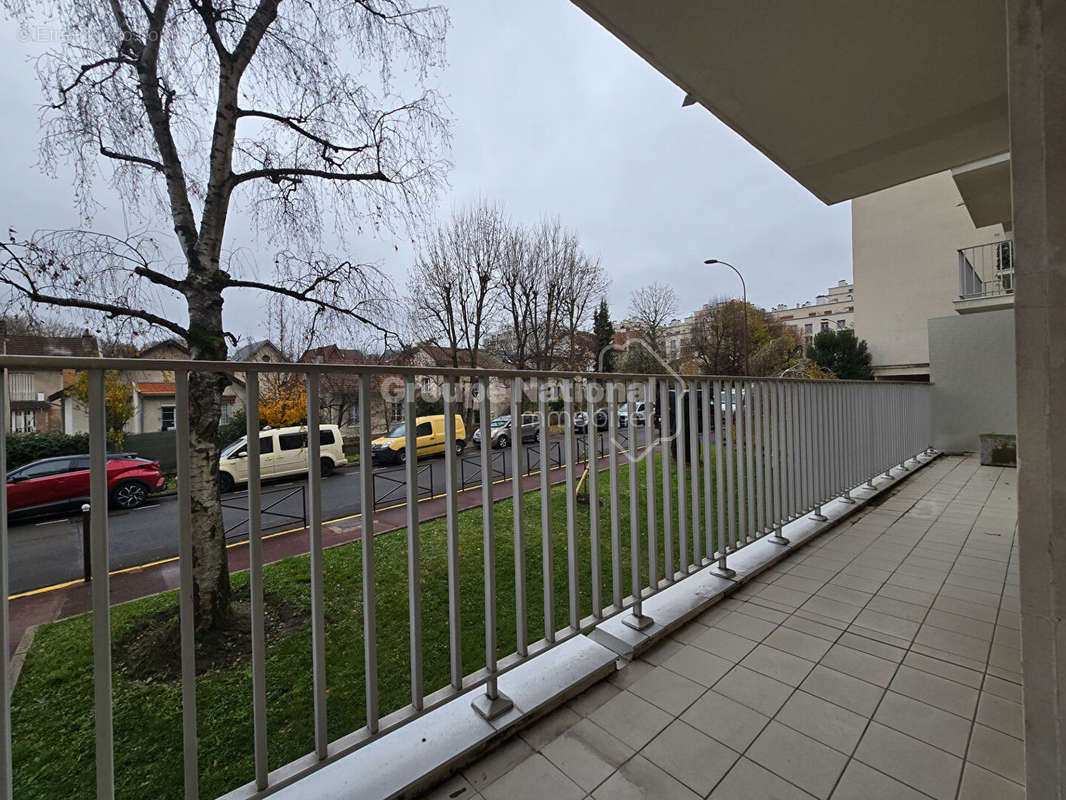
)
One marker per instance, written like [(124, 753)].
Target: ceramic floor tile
[(631, 719), (860, 782), (587, 754), (668, 690), (726, 720), (533, 779), (698, 665), (924, 722), (997, 752), (639, 779), (915, 763), (798, 759), (822, 720), (980, 784), (693, 758), (754, 690), (748, 781)]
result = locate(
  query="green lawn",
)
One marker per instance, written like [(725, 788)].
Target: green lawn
[(52, 706)]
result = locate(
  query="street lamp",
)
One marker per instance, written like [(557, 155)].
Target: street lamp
[(747, 330)]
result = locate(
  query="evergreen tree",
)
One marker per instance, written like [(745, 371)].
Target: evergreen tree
[(604, 331), (843, 353)]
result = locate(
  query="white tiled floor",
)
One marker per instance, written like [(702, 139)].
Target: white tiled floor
[(881, 661)]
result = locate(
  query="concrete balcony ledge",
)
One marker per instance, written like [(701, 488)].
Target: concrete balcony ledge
[(992, 302), (426, 751)]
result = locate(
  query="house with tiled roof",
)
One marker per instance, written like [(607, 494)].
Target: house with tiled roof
[(35, 400)]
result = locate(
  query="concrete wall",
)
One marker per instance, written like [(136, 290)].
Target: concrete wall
[(972, 367), (904, 243)]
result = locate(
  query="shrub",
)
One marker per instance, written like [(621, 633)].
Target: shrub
[(23, 448)]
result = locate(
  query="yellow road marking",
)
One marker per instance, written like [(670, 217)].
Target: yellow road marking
[(137, 568)]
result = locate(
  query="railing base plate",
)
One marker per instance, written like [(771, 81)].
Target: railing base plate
[(777, 538), (637, 622), (818, 517), (723, 572), (493, 707)]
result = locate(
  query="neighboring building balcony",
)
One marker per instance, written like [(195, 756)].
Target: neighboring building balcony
[(477, 609), (986, 277)]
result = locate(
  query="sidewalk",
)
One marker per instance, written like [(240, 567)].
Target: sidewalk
[(130, 584)]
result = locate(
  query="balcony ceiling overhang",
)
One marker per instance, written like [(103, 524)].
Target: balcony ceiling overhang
[(985, 188), (846, 97)]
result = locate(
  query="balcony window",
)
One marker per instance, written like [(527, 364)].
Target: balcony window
[(23, 421), (166, 418)]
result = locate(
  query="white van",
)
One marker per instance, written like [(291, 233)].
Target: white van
[(282, 451)]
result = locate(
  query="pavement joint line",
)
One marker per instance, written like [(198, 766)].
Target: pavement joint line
[(57, 586)]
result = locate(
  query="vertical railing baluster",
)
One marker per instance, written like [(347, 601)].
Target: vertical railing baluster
[(101, 600), (6, 780), (318, 600), (694, 474), (636, 619), (778, 414), (414, 544), (571, 507), (706, 406), (547, 554), (721, 540), (255, 579), (518, 516), (740, 432), (750, 431), (665, 444), (370, 628), (492, 703), (731, 406), (451, 511), (815, 436), (186, 591), (649, 479), (616, 522), (759, 420), (681, 441), (594, 498)]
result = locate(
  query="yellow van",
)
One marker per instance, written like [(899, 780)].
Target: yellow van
[(429, 432), (282, 451)]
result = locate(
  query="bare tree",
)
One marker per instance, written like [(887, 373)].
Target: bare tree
[(652, 307), (454, 282), (195, 105)]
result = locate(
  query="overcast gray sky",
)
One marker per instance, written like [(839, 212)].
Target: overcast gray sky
[(552, 116)]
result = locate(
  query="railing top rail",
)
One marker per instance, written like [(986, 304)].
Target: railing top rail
[(193, 365), (995, 243)]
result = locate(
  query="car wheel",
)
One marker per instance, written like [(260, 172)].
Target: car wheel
[(401, 455), (225, 482), (326, 467), (460, 446), (536, 436), (129, 494), (502, 441)]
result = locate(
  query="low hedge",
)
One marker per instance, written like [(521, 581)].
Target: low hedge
[(23, 448)]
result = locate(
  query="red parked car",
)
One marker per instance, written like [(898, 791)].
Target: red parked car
[(56, 484)]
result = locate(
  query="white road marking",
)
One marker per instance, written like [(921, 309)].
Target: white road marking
[(50, 522), (145, 508)]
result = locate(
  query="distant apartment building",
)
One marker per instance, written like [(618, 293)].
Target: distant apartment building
[(834, 310)]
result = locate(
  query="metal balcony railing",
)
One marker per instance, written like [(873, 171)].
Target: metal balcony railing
[(986, 270), (736, 458)]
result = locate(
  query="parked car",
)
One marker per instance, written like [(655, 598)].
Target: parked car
[(282, 451), (624, 414), (62, 482), (581, 421), (501, 435), (429, 439)]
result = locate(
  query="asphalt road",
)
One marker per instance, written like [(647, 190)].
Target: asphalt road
[(47, 551)]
